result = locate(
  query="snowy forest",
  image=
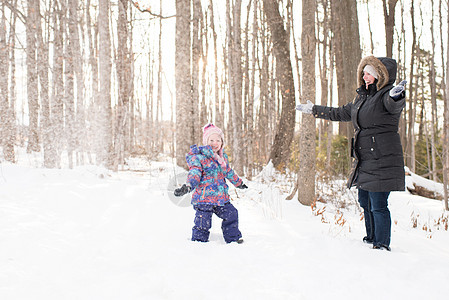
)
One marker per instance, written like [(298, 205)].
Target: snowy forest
[(102, 81)]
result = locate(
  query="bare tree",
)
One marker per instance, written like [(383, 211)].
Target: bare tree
[(307, 157), (195, 49), (205, 112), (7, 128), (433, 99), (389, 24), (57, 104), (92, 113), (79, 133), (345, 28), (104, 154), (159, 136), (249, 69), (280, 152), (69, 72), (410, 148), (124, 78), (402, 73), (131, 132), (446, 128), (443, 84), (369, 28), (263, 132), (330, 130), (323, 62), (216, 103), (32, 78), (235, 77), (43, 67), (149, 136), (184, 110)]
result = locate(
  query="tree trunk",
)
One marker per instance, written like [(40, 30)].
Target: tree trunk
[(43, 67), (330, 133), (446, 130), (307, 157), (402, 74), (324, 72), (280, 152), (184, 111), (369, 28), (410, 149), (105, 154), (159, 135), (433, 98), (262, 135), (216, 103), (298, 71), (443, 84), (205, 114), (194, 70), (131, 130), (79, 116), (348, 54), (7, 128), (69, 90), (124, 93), (92, 114), (389, 24), (57, 106), (149, 132), (32, 78), (250, 76), (235, 77)]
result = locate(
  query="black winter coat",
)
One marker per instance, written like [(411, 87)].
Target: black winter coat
[(378, 163)]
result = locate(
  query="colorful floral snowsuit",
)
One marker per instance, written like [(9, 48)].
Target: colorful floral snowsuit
[(210, 194)]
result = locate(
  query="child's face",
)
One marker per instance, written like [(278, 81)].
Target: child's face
[(215, 142)]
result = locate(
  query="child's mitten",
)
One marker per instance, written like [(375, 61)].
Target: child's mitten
[(242, 186), (182, 190)]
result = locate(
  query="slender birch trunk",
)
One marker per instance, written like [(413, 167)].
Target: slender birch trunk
[(6, 119), (105, 151), (32, 78), (446, 128)]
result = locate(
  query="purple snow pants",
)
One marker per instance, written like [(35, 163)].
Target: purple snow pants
[(203, 222)]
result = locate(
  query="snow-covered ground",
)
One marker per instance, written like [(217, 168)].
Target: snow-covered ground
[(88, 233)]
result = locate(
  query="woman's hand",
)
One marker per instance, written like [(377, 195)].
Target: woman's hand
[(305, 108), (398, 91)]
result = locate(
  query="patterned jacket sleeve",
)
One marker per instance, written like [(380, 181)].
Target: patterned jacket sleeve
[(195, 170), (230, 174)]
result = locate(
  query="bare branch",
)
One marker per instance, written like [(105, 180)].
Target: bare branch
[(21, 16), (148, 10)]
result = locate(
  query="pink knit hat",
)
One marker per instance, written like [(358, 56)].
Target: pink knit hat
[(210, 129)]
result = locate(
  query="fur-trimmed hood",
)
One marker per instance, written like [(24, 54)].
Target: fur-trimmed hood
[(386, 68)]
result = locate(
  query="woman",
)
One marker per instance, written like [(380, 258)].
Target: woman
[(378, 165)]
